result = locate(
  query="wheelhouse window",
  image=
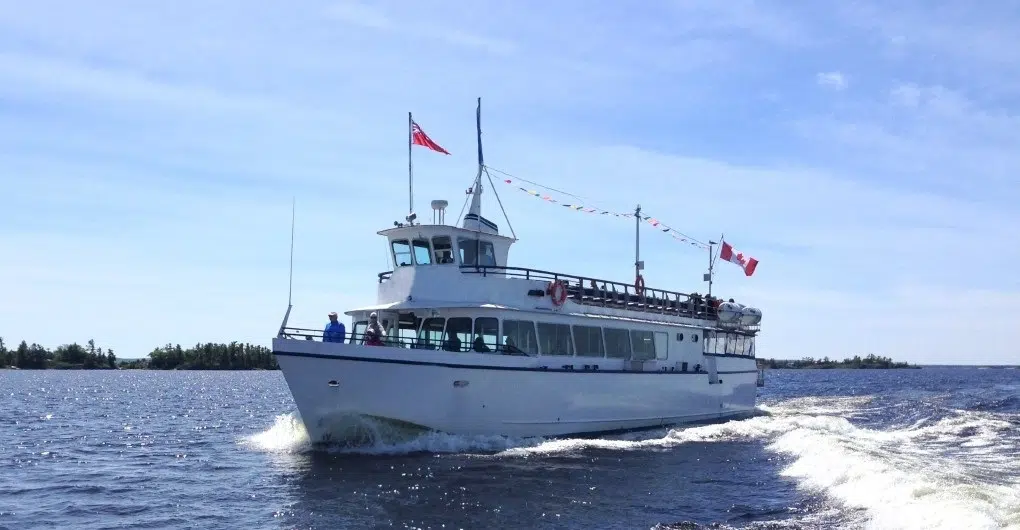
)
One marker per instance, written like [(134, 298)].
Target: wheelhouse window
[(430, 336), (468, 251), (554, 339), (476, 252), (422, 253), (442, 246), (401, 253), (519, 337), (486, 254), (643, 345), (458, 334), (617, 343), (486, 337), (588, 341)]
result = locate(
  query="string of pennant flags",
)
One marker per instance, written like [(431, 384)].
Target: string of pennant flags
[(416, 136), (674, 233)]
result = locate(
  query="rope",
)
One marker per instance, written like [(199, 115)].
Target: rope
[(644, 217), (500, 201)]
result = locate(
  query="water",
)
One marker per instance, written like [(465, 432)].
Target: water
[(932, 448)]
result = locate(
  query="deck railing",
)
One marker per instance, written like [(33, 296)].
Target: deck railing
[(405, 342), (608, 293), (590, 291)]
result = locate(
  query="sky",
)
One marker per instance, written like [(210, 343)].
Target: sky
[(866, 153)]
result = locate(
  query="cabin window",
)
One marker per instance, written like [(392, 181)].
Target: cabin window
[(661, 345), (430, 336), (401, 253), (358, 335), (422, 254), (711, 342), (750, 346), (731, 344), (407, 329), (554, 339), (643, 345), (617, 343), (519, 337), (486, 337), (588, 341), (443, 248), (458, 334)]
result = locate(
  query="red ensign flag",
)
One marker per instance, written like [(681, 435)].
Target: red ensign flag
[(418, 137), (733, 256)]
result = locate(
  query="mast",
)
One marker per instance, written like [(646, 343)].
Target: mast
[(475, 211), (638, 266), (711, 263), (410, 167)]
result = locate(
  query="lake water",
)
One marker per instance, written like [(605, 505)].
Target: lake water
[(931, 448)]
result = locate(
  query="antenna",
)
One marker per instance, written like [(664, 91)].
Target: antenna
[(290, 286)]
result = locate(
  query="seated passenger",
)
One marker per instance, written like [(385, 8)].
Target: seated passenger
[(511, 348), (373, 335), (452, 343), (480, 345)]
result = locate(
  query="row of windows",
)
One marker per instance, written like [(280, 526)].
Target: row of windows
[(422, 251), (729, 343), (484, 334)]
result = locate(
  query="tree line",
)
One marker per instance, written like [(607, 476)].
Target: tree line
[(870, 361), (208, 356)]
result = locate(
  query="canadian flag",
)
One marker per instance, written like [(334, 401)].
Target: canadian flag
[(734, 256)]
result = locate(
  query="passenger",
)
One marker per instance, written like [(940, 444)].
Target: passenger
[(510, 347), (452, 343), (373, 335), (335, 331), (480, 345)]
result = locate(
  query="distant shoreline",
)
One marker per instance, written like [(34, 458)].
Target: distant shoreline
[(869, 362), (208, 356)]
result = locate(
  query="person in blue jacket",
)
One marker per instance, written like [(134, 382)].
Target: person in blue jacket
[(335, 331)]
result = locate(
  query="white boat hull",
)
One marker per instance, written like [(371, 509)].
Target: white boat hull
[(484, 394)]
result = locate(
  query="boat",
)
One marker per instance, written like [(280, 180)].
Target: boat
[(472, 345)]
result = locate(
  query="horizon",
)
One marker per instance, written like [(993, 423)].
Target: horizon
[(866, 156)]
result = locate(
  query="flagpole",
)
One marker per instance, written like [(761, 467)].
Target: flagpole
[(410, 167), (711, 262)]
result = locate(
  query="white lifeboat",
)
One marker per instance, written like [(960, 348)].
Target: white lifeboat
[(750, 316), (730, 312)]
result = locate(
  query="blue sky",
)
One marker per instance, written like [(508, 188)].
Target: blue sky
[(867, 154)]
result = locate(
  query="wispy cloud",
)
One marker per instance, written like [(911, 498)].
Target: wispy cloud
[(834, 80), (149, 158)]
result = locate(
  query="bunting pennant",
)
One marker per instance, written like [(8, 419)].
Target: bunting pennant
[(677, 235)]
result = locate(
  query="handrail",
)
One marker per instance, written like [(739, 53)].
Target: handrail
[(466, 347), (415, 343), (609, 293)]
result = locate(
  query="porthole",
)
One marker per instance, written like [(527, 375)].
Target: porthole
[(694, 338), (679, 337)]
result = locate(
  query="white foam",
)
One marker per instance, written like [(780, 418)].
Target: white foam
[(962, 471), (286, 435)]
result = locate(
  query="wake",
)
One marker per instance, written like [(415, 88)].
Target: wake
[(960, 471)]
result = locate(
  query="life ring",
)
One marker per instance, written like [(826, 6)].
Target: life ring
[(639, 285), (557, 292)]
